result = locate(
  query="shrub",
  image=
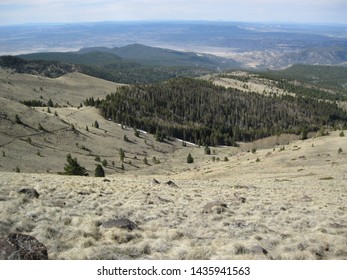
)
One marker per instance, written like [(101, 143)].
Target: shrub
[(342, 134), (99, 171), (136, 132), (121, 154), (104, 163), (96, 124), (207, 150), (339, 151), (145, 161), (190, 159), (226, 159), (17, 119), (73, 167), (155, 160), (97, 158), (254, 150), (17, 169)]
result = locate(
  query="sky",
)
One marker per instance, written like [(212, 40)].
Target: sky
[(280, 11)]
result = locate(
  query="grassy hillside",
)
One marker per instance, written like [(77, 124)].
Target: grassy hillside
[(333, 77), (276, 198)]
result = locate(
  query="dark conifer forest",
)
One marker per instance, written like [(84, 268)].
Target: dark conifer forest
[(200, 112)]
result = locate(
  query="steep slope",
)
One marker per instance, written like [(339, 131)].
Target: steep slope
[(69, 89), (38, 139)]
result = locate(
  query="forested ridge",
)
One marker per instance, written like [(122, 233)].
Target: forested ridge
[(200, 112)]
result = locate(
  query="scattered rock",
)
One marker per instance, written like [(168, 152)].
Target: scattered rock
[(19, 246), (171, 184), (106, 180), (31, 193), (120, 223), (214, 206), (155, 182), (259, 250)]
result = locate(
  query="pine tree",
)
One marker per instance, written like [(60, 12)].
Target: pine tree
[(17, 119), (73, 167), (50, 103), (99, 171), (96, 124), (190, 159)]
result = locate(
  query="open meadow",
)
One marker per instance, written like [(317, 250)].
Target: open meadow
[(283, 203)]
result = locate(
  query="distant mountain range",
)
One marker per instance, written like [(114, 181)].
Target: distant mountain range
[(259, 46), (131, 64), (137, 53)]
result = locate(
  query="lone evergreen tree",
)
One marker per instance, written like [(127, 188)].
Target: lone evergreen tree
[(50, 103), (190, 159), (99, 171), (17, 119), (96, 124), (73, 167)]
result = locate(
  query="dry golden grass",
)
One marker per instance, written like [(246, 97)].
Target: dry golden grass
[(289, 211), (287, 199)]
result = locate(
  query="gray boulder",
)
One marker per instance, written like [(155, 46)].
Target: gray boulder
[(30, 192), (120, 223), (17, 246)]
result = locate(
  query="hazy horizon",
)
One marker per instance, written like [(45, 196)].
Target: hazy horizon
[(321, 12)]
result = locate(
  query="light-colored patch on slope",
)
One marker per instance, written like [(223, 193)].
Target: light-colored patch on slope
[(72, 88)]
